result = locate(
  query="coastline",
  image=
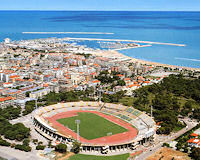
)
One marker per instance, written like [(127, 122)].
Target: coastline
[(116, 54)]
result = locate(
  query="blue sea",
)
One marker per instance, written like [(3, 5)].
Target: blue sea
[(172, 27)]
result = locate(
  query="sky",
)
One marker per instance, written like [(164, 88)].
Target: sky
[(108, 5)]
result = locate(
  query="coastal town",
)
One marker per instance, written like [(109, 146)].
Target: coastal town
[(35, 73), (99, 80), (33, 68)]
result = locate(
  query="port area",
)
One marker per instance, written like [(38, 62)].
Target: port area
[(123, 40)]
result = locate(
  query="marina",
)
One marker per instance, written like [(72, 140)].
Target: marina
[(139, 46), (123, 40), (167, 36)]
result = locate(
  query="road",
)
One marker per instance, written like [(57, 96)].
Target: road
[(11, 153), (169, 138)]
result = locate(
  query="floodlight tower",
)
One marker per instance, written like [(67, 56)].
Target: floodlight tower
[(151, 111), (36, 106), (78, 122), (100, 94)]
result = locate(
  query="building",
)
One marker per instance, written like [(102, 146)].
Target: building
[(7, 40), (6, 101), (39, 93), (194, 142)]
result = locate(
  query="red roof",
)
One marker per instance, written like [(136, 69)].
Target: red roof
[(7, 83), (94, 73), (194, 140), (135, 82), (19, 79), (194, 134), (127, 79), (54, 80), (132, 85), (146, 81), (97, 65), (5, 99), (119, 75), (14, 76), (96, 81), (45, 85), (140, 81)]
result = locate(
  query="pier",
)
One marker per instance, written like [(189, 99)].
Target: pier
[(122, 40), (118, 49)]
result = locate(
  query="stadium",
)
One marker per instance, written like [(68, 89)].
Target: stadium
[(101, 128)]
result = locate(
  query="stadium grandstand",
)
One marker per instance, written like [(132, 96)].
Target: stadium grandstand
[(140, 127)]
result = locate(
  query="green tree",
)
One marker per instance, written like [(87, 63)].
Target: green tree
[(4, 142), (121, 83), (23, 147), (195, 153), (62, 148), (76, 147), (40, 147)]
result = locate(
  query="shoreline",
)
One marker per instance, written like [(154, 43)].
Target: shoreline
[(116, 54), (140, 46)]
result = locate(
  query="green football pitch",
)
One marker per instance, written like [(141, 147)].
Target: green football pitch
[(91, 125), (89, 157)]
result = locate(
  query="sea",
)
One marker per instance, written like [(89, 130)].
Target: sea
[(170, 27)]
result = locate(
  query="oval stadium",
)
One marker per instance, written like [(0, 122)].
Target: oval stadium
[(100, 127)]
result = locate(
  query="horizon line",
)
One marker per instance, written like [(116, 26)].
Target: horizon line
[(104, 10)]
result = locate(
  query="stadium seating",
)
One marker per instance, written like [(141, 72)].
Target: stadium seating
[(140, 120)]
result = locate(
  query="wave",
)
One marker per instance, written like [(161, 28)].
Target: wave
[(188, 59)]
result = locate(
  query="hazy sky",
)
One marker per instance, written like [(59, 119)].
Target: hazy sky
[(131, 5)]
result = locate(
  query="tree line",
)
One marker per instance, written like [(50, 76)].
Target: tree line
[(174, 96)]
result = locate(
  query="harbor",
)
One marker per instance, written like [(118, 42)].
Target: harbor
[(123, 40)]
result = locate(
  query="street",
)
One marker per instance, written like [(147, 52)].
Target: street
[(169, 138)]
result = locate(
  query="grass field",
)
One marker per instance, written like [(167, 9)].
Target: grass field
[(87, 157), (92, 126)]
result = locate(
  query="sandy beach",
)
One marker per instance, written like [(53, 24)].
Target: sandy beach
[(116, 54)]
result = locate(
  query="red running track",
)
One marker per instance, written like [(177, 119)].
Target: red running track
[(119, 138)]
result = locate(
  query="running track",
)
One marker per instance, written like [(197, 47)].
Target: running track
[(119, 138)]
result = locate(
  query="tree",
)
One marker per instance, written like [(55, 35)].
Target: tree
[(49, 144), (23, 147), (62, 148), (196, 114), (4, 142), (121, 83), (165, 145), (10, 112), (40, 147), (76, 147), (30, 106), (27, 94), (35, 141), (26, 142), (195, 153)]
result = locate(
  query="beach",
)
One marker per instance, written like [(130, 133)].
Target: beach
[(120, 56), (173, 35)]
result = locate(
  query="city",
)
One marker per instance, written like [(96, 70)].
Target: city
[(40, 77)]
